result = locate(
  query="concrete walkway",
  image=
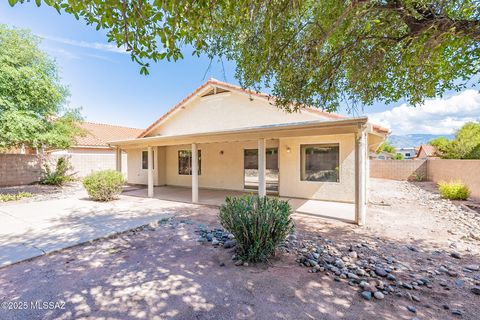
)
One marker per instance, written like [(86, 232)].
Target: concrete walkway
[(31, 229)]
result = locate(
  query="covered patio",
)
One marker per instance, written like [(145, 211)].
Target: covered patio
[(221, 164), (323, 209)]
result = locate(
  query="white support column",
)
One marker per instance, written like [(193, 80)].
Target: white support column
[(150, 172), (367, 171), (262, 182), (194, 173), (360, 177), (118, 159)]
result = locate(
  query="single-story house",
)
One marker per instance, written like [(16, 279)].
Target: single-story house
[(92, 152), (381, 156), (224, 137), (427, 151), (408, 153)]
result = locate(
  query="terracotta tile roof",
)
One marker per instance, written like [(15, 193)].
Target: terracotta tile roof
[(429, 150), (250, 92), (98, 134)]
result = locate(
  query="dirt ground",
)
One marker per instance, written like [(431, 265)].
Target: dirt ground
[(162, 272), (43, 192)]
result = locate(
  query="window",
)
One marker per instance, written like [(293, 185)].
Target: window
[(407, 154), (250, 162), (145, 160), (320, 162), (185, 162)]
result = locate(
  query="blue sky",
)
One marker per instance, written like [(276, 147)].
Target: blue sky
[(109, 88)]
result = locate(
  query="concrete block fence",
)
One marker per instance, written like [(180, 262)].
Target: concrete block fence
[(468, 171)]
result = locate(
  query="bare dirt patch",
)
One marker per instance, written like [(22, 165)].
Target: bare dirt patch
[(43, 192), (164, 272)]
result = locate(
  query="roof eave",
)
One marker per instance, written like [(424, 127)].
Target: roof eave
[(259, 129)]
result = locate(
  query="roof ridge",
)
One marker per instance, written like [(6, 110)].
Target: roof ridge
[(111, 125)]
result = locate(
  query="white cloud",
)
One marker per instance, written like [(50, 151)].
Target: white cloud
[(106, 47), (63, 53), (435, 116)]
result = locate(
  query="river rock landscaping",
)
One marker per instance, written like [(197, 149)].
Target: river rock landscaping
[(378, 275)]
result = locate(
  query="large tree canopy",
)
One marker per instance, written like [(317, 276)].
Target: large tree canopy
[(314, 52), (31, 96)]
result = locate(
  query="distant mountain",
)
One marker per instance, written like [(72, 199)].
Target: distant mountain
[(414, 140)]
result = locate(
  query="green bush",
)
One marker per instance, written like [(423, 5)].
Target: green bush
[(259, 224), (104, 185), (60, 176), (4, 197), (454, 190)]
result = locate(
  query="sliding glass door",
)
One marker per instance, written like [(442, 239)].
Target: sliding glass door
[(250, 163)]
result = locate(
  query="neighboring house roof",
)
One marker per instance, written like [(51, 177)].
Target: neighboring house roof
[(228, 86), (381, 155), (99, 133), (429, 150)]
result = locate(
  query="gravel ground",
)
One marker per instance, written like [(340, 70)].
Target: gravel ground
[(162, 271)]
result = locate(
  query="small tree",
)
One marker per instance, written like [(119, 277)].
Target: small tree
[(465, 145), (398, 156), (387, 147), (32, 99)]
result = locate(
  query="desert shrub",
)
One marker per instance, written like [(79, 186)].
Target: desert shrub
[(4, 197), (60, 176), (419, 177), (259, 224), (454, 190), (104, 185)]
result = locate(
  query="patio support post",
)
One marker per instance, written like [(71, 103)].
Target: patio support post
[(262, 182), (194, 172), (360, 177), (118, 159), (150, 172)]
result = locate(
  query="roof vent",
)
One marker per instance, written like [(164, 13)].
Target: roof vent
[(215, 91)]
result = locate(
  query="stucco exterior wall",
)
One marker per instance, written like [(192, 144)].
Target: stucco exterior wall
[(218, 171), (136, 174), (226, 171), (87, 160), (227, 111), (289, 165)]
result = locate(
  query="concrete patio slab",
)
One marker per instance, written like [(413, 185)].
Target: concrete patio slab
[(322, 209), (35, 228)]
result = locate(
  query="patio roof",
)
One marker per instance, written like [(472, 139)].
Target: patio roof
[(265, 131)]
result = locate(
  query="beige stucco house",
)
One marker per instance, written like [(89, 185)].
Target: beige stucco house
[(224, 137), (91, 152)]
